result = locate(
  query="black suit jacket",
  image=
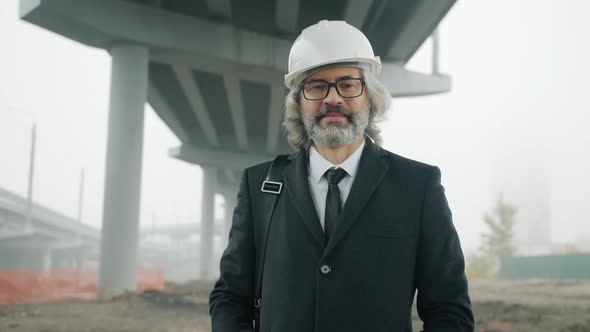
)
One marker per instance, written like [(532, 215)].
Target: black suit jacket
[(395, 236)]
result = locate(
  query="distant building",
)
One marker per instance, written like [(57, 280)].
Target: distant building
[(522, 178), (580, 246)]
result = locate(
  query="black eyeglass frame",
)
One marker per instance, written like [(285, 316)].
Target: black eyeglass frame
[(335, 86)]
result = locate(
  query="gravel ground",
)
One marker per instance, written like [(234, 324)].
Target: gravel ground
[(499, 305)]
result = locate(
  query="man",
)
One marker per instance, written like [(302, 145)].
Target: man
[(356, 229)]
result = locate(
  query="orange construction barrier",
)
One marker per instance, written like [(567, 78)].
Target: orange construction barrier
[(56, 285)]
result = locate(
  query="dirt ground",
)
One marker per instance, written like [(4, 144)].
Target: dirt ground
[(499, 305)]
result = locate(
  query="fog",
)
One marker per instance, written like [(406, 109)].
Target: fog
[(514, 126), (516, 121)]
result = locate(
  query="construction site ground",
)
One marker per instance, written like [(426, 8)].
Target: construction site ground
[(498, 305)]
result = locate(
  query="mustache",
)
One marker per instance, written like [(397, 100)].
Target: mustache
[(336, 109)]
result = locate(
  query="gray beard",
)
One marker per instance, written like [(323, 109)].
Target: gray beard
[(336, 134)]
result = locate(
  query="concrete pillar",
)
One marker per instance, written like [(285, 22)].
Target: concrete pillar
[(120, 224), (435, 53), (78, 261), (47, 259), (207, 221)]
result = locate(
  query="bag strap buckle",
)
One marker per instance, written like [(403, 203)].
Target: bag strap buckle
[(271, 187)]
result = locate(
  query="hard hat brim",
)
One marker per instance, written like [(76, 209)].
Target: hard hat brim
[(293, 79)]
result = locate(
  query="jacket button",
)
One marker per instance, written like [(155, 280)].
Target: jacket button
[(325, 269)]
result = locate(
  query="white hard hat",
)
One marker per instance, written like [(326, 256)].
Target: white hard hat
[(328, 42)]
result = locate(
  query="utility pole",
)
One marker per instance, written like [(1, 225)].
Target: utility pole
[(29, 211), (81, 196)]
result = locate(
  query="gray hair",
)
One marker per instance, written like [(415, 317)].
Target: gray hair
[(379, 98)]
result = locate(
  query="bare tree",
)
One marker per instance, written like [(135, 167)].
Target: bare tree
[(498, 241)]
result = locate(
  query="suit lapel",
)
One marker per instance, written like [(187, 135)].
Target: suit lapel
[(370, 172), (297, 187)]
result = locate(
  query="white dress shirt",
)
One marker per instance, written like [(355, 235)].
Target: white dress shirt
[(318, 184)]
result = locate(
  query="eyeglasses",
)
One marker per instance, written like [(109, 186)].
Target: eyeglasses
[(346, 88)]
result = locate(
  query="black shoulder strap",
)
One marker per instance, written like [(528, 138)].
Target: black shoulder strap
[(271, 187)]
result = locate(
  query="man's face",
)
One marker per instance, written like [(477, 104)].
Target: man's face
[(335, 120)]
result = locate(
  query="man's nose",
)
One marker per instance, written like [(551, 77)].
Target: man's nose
[(333, 98)]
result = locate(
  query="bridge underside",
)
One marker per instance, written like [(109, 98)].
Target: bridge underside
[(212, 70)]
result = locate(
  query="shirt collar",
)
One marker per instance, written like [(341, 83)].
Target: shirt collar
[(318, 165)]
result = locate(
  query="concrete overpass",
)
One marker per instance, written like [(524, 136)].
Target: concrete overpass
[(55, 240), (213, 70), (51, 234)]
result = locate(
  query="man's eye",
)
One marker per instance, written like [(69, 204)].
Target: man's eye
[(315, 87), (346, 86)]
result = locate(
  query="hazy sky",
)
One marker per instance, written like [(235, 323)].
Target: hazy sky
[(516, 119)]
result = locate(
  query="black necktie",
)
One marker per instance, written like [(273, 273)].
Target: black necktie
[(334, 176)]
